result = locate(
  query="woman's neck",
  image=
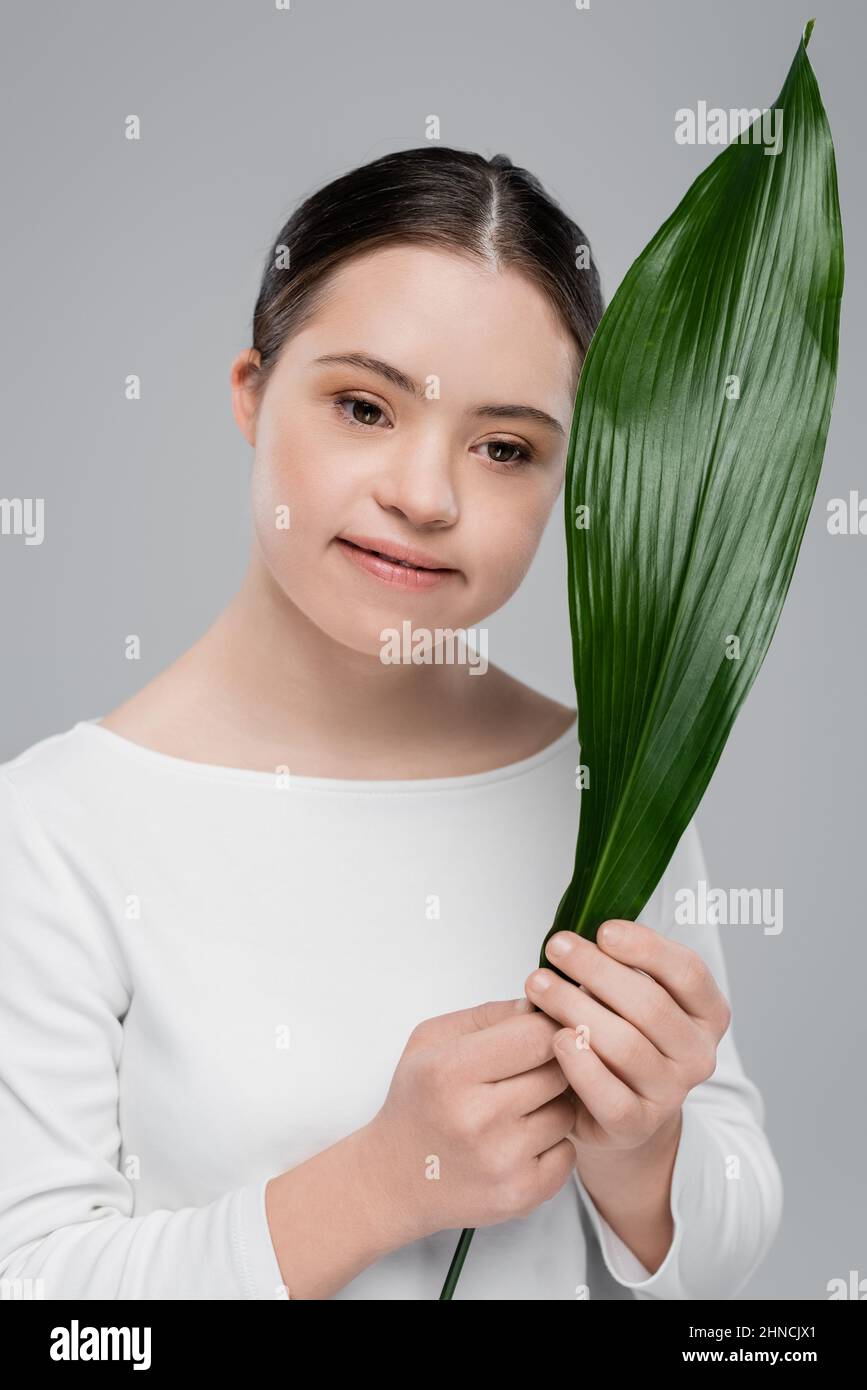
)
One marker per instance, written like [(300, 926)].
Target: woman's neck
[(265, 687)]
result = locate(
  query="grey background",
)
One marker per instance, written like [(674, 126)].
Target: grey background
[(145, 257)]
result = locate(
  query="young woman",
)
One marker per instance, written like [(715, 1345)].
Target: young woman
[(267, 926)]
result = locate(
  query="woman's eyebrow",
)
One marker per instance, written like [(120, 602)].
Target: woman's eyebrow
[(406, 383)]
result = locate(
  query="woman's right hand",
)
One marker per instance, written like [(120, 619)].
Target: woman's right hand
[(474, 1128)]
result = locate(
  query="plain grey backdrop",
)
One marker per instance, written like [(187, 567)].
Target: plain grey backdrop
[(145, 257)]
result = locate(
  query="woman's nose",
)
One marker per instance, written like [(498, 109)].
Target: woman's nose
[(421, 487)]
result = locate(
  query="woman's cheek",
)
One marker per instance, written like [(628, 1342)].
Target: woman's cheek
[(516, 546), (288, 496), (278, 512)]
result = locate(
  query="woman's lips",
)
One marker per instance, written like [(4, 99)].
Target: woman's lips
[(402, 576)]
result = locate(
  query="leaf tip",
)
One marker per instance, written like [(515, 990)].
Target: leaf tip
[(808, 29)]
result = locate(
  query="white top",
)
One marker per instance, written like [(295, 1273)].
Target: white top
[(208, 975)]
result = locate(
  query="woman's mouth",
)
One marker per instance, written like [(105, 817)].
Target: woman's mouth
[(394, 563)]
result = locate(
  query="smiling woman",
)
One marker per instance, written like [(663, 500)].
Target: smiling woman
[(275, 912), (428, 344)]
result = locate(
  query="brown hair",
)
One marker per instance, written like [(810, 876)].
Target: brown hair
[(432, 195)]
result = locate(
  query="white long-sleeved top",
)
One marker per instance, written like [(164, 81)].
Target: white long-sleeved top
[(208, 975)]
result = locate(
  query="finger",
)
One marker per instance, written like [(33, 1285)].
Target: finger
[(462, 1021), (623, 1048), (515, 1044), (638, 998), (681, 971), (481, 1016), (555, 1167), (546, 1126), (522, 1094), (613, 1106)]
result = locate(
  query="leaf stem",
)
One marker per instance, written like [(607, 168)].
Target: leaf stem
[(457, 1263)]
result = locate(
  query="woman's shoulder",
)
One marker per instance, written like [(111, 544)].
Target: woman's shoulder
[(45, 762), (43, 790), (67, 762)]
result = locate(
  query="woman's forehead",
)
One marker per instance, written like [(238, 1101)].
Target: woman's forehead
[(434, 313)]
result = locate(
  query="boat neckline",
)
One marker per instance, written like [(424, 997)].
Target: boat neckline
[(258, 776)]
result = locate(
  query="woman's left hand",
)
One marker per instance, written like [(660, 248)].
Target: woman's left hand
[(634, 1044)]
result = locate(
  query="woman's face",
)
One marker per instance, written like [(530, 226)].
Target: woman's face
[(426, 439)]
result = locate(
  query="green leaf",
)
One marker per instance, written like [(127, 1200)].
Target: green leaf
[(697, 500)]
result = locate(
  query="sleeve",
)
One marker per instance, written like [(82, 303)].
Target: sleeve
[(67, 1228), (726, 1188)]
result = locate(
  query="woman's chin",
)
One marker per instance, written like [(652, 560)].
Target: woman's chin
[(398, 638)]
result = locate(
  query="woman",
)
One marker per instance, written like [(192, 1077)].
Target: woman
[(264, 923)]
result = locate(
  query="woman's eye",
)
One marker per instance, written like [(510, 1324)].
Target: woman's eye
[(509, 456), (518, 454), (361, 410)]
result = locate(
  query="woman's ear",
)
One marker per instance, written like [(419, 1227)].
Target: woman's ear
[(245, 403)]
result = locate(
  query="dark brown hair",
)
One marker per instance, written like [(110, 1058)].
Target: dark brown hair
[(432, 195)]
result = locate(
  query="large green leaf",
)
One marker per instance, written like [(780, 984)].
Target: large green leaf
[(697, 500)]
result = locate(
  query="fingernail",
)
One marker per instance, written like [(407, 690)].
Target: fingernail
[(612, 934), (558, 946), (540, 980)]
